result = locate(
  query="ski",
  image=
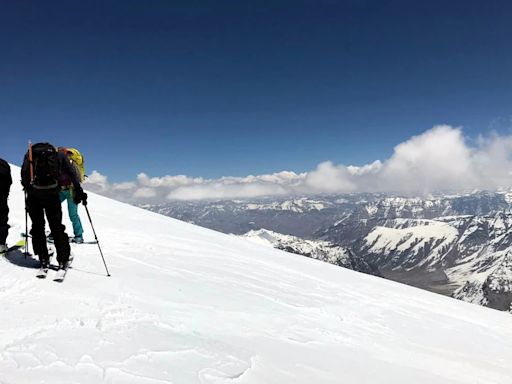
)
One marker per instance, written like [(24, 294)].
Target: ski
[(18, 245), (43, 270), (61, 274), (42, 273)]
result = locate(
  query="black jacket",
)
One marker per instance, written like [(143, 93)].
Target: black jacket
[(5, 173)]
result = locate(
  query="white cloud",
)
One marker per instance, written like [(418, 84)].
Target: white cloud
[(434, 160), (374, 167), (493, 162), (331, 178), (439, 159), (144, 192), (219, 190), (98, 181), (124, 186)]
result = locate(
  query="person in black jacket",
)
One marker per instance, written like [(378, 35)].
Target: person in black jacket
[(5, 186), (42, 167)]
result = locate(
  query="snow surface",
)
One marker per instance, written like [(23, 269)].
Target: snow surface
[(190, 305), (265, 237)]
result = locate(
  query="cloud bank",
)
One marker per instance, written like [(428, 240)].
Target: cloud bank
[(440, 159)]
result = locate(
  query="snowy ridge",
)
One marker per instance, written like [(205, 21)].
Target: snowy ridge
[(421, 237), (476, 203), (316, 249), (296, 205), (493, 289), (443, 254), (189, 305)]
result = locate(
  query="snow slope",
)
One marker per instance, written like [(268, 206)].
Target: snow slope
[(189, 305), (316, 249)]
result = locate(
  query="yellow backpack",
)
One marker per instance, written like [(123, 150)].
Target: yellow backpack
[(77, 159)]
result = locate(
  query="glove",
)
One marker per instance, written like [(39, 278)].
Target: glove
[(80, 196)]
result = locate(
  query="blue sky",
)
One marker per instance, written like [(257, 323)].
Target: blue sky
[(232, 88)]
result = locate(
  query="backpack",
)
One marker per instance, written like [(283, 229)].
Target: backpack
[(77, 160), (45, 166), (5, 172)]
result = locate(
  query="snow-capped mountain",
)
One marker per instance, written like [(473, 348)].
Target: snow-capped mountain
[(299, 205), (186, 304), (477, 203), (408, 243), (493, 289), (316, 249), (444, 255)]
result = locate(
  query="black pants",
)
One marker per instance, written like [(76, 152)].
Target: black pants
[(40, 202), (4, 213)]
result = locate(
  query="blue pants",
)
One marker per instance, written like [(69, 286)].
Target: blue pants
[(67, 194)]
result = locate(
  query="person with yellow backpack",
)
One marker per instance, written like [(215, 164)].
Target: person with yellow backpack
[(67, 191)]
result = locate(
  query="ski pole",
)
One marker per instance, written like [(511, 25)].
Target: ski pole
[(31, 162), (31, 170), (26, 226), (95, 237)]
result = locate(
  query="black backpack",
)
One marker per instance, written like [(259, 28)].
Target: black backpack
[(45, 166), (5, 173)]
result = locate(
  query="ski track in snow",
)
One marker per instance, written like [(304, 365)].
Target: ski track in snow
[(189, 305)]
